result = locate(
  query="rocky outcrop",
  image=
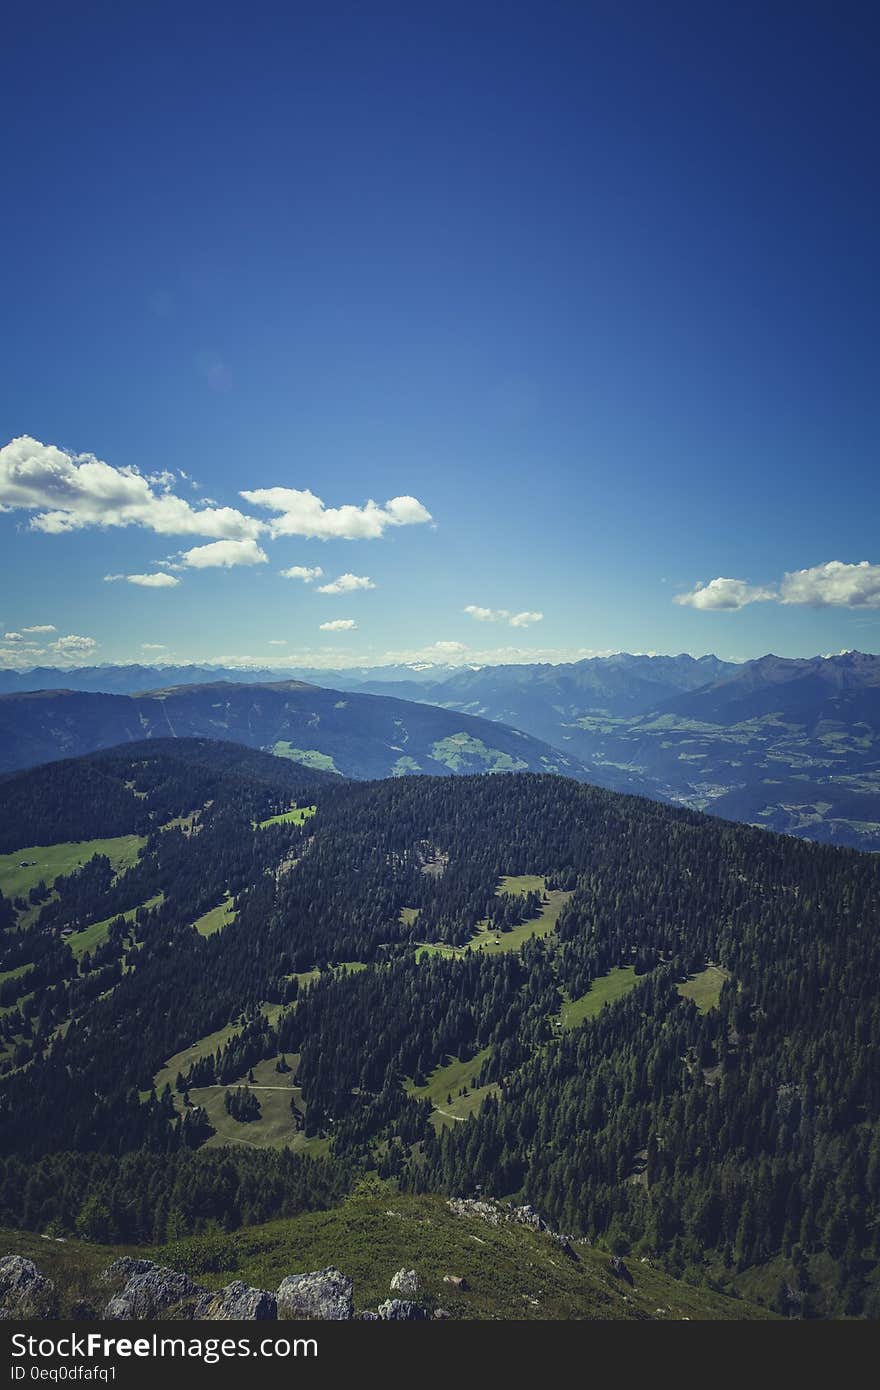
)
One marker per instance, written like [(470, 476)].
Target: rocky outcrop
[(117, 1274), (469, 1206), (618, 1268), (237, 1302), (527, 1216), (154, 1293), (406, 1282), (401, 1310), (24, 1291), (324, 1293), (495, 1213)]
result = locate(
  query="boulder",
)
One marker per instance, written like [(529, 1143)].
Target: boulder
[(457, 1281), (401, 1310), (617, 1267), (324, 1293), (154, 1293), (24, 1291), (237, 1302), (406, 1282)]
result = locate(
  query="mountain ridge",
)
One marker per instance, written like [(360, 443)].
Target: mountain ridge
[(350, 733)]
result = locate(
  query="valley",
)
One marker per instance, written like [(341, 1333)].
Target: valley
[(519, 985), (787, 745)]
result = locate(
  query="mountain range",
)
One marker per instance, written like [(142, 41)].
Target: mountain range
[(352, 734), (787, 744)]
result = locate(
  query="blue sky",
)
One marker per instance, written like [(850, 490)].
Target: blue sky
[(593, 285)]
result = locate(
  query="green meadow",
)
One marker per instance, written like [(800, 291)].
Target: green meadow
[(298, 815), (215, 919), (23, 870), (90, 937), (444, 1084), (604, 990), (705, 988), (496, 943), (308, 757)]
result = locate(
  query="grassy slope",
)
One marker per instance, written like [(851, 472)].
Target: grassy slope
[(496, 943), (604, 990), (204, 1047), (52, 860), (275, 1128), (297, 816), (448, 1080), (217, 918), (92, 936), (513, 1272), (308, 757), (705, 988)]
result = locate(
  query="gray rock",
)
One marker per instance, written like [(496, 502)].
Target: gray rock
[(401, 1310), (406, 1282), (24, 1291), (118, 1274), (469, 1206), (527, 1216), (458, 1281), (324, 1293), (237, 1302), (153, 1293), (369, 1317), (617, 1266)]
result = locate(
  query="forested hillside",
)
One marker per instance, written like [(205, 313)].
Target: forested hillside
[(263, 982), (353, 735)]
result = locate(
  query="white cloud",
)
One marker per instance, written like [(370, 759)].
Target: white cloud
[(71, 491), (303, 572), (71, 645), (339, 625), (346, 584), (12, 637), (223, 555), (724, 595), (277, 641), (153, 647), (301, 513), (41, 627), (502, 615), (17, 658), (145, 581), (833, 584)]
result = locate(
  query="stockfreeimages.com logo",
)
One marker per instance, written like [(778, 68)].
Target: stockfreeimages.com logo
[(94, 1345)]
